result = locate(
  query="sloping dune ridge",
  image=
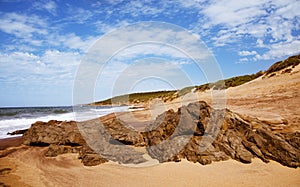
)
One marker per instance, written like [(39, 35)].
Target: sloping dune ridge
[(273, 99)]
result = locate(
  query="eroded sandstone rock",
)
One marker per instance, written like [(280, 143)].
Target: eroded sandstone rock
[(53, 132), (226, 134)]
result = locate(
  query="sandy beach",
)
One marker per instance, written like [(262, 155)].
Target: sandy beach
[(30, 167)]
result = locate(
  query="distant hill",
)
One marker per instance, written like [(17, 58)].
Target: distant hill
[(136, 98), (284, 66)]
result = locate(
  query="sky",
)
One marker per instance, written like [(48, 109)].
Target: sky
[(44, 45)]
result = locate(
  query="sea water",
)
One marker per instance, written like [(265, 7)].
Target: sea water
[(19, 118)]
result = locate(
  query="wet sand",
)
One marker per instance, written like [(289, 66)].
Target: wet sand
[(10, 142)]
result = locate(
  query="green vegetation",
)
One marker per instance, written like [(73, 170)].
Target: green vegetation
[(236, 81), (136, 98), (185, 90), (291, 61)]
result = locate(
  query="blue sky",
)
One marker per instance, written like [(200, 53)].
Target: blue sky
[(42, 42)]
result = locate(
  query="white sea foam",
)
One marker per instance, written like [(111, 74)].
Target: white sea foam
[(10, 125)]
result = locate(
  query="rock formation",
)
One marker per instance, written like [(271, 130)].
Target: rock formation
[(53, 132), (64, 137), (17, 132), (60, 137), (227, 134), (195, 132)]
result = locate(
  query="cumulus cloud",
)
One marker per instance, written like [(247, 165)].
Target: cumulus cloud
[(52, 67), (22, 26), (247, 53), (155, 38), (32, 31), (280, 50), (72, 41), (272, 24)]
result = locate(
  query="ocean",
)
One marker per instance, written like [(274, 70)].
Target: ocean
[(19, 118)]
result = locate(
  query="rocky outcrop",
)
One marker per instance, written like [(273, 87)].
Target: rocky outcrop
[(54, 150), (195, 132), (53, 132), (60, 137), (89, 157), (120, 131), (65, 137), (17, 132), (98, 138), (220, 135)]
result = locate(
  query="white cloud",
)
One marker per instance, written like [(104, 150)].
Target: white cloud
[(50, 68), (247, 53), (49, 6), (58, 59), (22, 26), (224, 38), (139, 8), (280, 50), (31, 79), (154, 38), (260, 43), (272, 24), (287, 9), (242, 61), (19, 47), (232, 13), (105, 27), (33, 31), (73, 41), (191, 3), (79, 15), (114, 1), (258, 30)]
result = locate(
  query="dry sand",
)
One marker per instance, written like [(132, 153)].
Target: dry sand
[(66, 170), (274, 99)]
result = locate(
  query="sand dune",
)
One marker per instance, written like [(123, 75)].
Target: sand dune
[(275, 99)]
